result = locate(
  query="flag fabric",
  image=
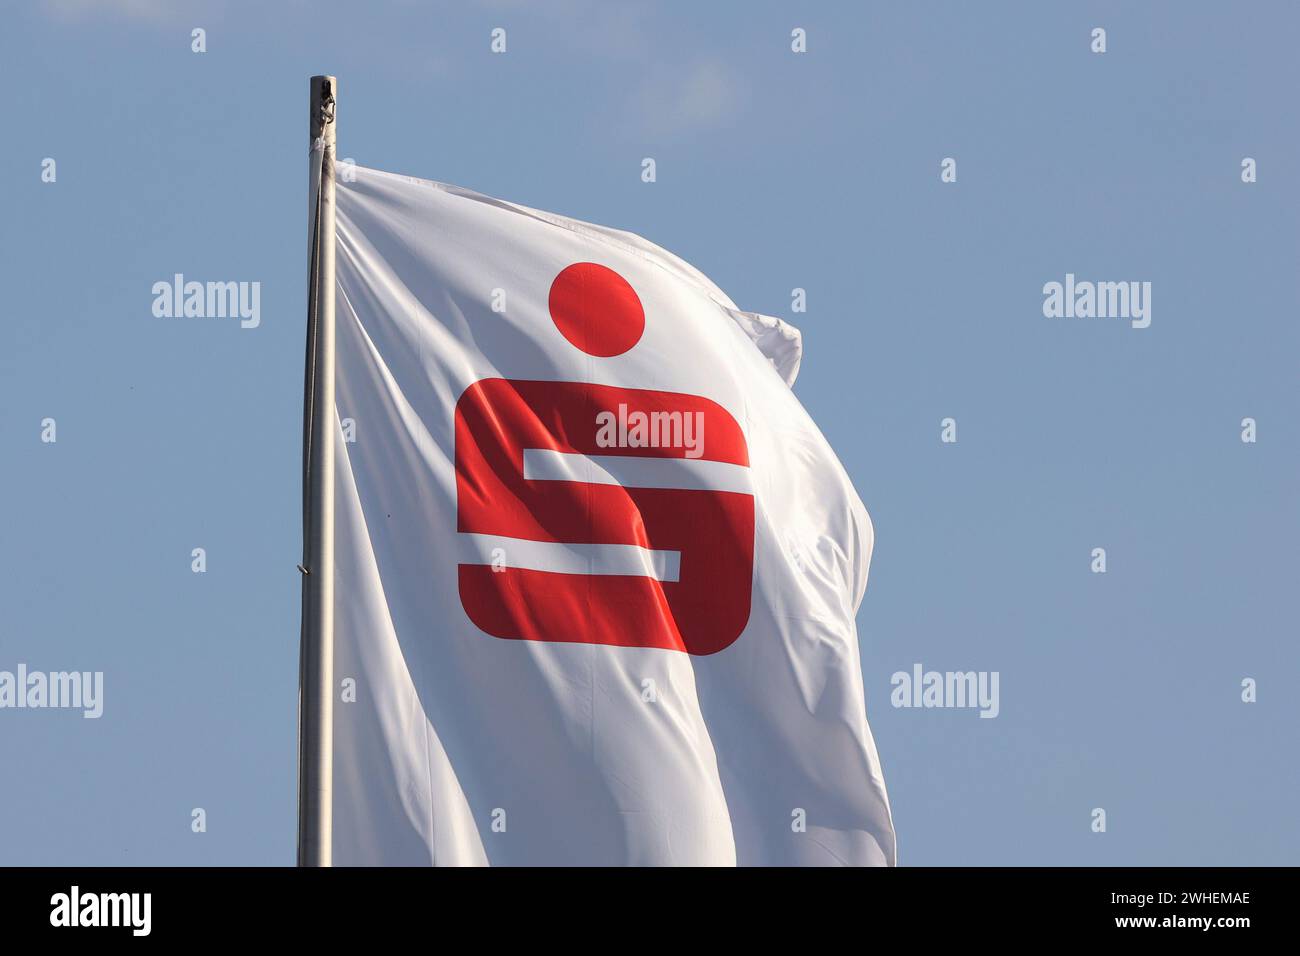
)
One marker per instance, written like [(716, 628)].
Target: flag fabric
[(596, 568)]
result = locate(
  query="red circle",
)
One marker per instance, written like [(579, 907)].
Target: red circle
[(596, 310)]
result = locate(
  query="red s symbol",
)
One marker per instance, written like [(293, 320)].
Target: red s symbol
[(571, 538)]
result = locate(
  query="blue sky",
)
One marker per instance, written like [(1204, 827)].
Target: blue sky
[(775, 170)]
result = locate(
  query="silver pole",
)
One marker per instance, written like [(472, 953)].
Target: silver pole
[(316, 662)]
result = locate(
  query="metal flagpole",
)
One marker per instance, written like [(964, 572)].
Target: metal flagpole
[(316, 661)]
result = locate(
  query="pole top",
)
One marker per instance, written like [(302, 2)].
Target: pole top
[(324, 91)]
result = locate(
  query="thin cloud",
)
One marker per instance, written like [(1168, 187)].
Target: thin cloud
[(674, 100), (138, 11)]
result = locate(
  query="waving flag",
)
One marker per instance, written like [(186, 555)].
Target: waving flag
[(596, 568)]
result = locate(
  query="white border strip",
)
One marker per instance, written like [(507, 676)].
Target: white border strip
[(627, 560), (688, 474)]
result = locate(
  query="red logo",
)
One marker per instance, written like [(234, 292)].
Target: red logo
[(597, 514)]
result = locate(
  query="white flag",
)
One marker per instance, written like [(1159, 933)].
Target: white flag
[(596, 568)]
